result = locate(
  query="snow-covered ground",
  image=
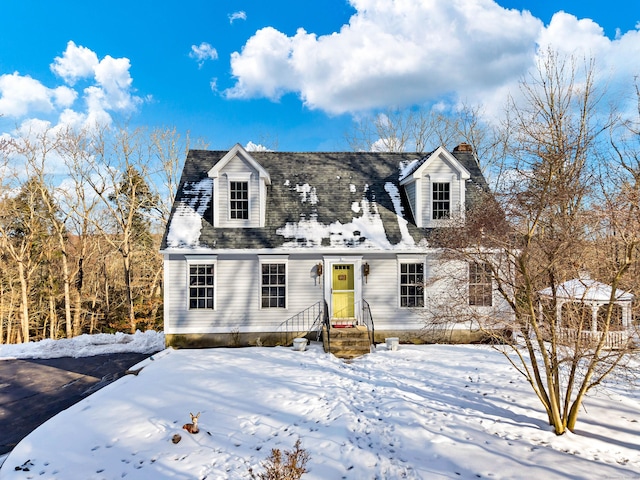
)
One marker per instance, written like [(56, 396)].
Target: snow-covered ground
[(86, 345), (421, 412)]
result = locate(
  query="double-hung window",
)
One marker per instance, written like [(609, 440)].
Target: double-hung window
[(480, 284), (201, 285), (273, 285), (412, 284), (239, 200), (441, 200)]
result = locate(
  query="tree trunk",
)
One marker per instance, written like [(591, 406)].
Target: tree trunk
[(126, 261), (573, 413), (24, 302), (67, 293), (2, 313), (107, 304), (77, 314), (53, 321)]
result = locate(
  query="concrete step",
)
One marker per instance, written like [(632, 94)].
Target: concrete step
[(347, 343)]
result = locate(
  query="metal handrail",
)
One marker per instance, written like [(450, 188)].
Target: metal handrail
[(308, 320), (327, 324), (367, 319)]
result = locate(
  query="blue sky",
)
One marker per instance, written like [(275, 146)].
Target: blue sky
[(291, 75)]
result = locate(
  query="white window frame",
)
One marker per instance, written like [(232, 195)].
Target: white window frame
[(434, 201), (416, 260), (485, 284), (274, 260), (239, 178), (192, 260)]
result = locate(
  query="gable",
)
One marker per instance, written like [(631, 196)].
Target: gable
[(239, 193), (436, 188), (438, 161), (238, 159)]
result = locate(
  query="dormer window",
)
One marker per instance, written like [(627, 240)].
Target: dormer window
[(441, 196), (239, 195), (239, 200), (435, 188)]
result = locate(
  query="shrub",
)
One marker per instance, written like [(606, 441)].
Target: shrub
[(291, 468)]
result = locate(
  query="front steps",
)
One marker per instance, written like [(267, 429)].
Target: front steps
[(347, 342)]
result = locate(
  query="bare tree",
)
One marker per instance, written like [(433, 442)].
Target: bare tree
[(23, 239), (29, 216), (81, 203), (552, 237), (38, 151), (421, 130), (117, 173), (79, 228), (169, 150)]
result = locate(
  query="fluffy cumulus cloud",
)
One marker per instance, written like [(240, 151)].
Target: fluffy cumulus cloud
[(396, 53), (114, 80), (75, 63), (615, 59), (104, 86), (203, 52), (390, 53), (20, 95)]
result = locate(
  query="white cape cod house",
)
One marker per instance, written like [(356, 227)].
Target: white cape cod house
[(261, 243)]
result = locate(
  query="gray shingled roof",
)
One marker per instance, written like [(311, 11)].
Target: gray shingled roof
[(333, 175)]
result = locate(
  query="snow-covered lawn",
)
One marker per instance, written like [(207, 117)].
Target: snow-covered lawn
[(421, 412)]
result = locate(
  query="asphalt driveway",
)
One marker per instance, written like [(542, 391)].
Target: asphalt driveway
[(32, 391)]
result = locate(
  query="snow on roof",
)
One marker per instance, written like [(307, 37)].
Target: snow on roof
[(586, 289), (364, 231), (394, 193), (186, 223), (407, 168), (307, 193)]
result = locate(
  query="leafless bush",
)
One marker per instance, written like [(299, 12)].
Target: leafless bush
[(290, 465)]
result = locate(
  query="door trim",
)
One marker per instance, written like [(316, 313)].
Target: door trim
[(329, 262)]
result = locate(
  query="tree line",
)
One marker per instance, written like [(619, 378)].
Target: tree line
[(81, 219)]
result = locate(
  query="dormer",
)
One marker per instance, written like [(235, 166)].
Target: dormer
[(239, 190), (435, 187)]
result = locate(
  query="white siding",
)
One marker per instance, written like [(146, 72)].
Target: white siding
[(410, 190), (382, 292), (439, 172), (238, 287), (236, 170)]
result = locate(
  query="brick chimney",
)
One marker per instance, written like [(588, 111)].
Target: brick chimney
[(463, 147)]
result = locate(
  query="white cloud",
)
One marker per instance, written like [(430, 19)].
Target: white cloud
[(20, 95), (394, 53), (241, 15), (113, 78), (203, 52), (265, 67), (106, 88), (256, 147), (390, 53), (75, 63), (391, 144)]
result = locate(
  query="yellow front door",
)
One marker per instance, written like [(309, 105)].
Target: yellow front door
[(343, 291)]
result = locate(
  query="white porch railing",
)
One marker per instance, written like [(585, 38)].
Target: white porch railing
[(614, 339)]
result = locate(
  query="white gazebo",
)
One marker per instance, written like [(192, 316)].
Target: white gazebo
[(592, 298)]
